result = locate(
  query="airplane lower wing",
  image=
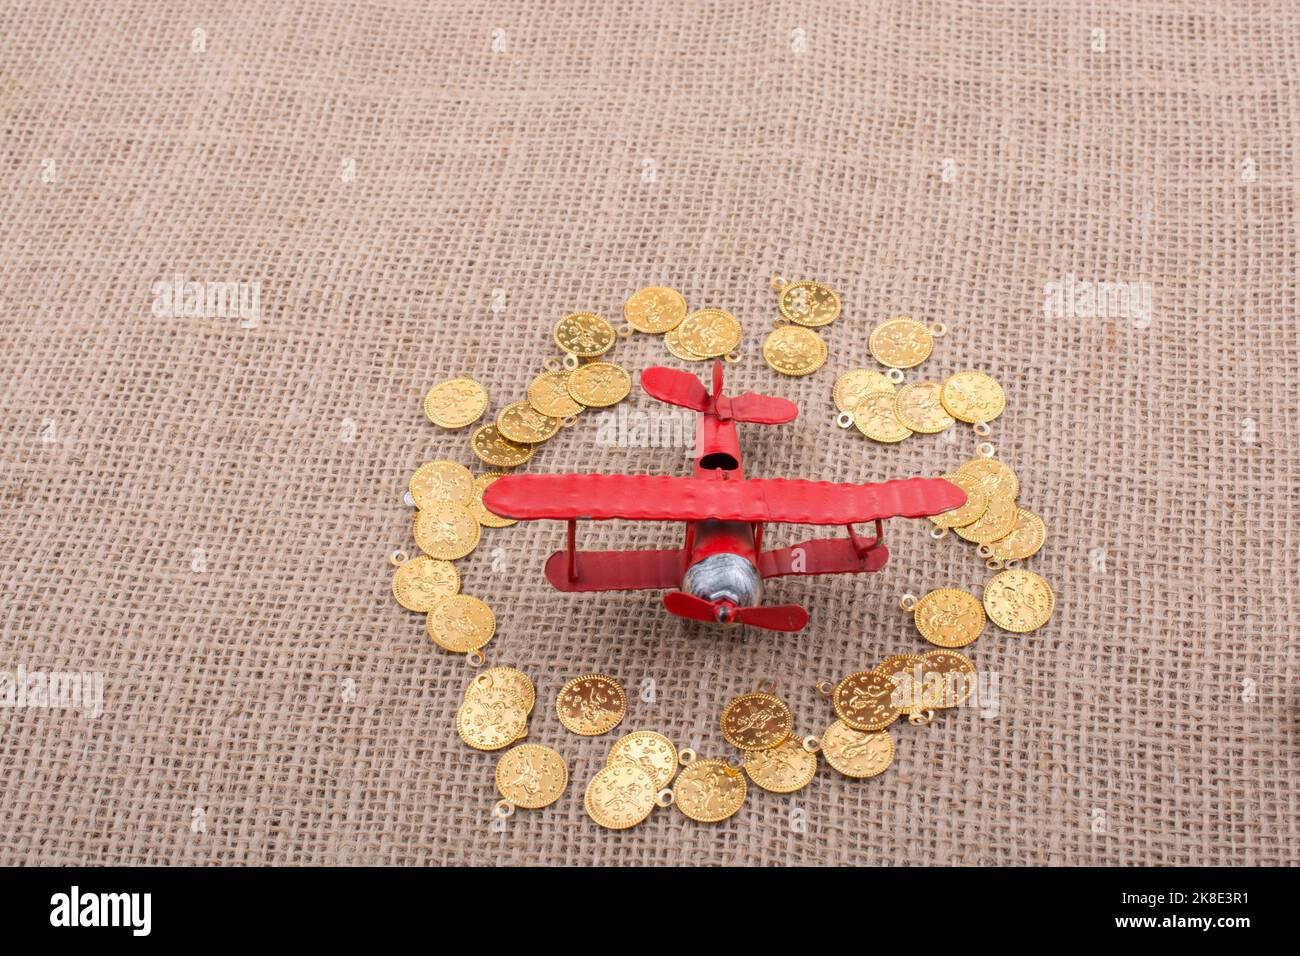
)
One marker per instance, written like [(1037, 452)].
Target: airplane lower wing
[(616, 570), (821, 556)]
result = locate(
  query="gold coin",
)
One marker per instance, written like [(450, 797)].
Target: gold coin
[(972, 397), (422, 582), (949, 679), (495, 449), (520, 422), (917, 406), (504, 678), (620, 796), (654, 753), (949, 617), (901, 669), (584, 334), (782, 769), (656, 309), (709, 333), (756, 722), (673, 344), (851, 387), (445, 530), (794, 350), (709, 791), (549, 395), (901, 343), (456, 403), (809, 303), (998, 479), (461, 623), (1026, 540), (997, 521), (591, 704), (856, 753), (1018, 601), (481, 514), (491, 720), (531, 776), (874, 417), (976, 503), (864, 701), (599, 384), (439, 481)]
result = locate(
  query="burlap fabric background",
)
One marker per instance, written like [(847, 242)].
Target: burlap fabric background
[(203, 512)]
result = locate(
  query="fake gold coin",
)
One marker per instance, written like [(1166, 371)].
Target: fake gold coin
[(508, 679), (461, 623), (584, 334), (439, 481), (531, 776), (520, 422), (851, 387), (456, 403), (782, 769), (997, 478), (709, 333), (808, 303), (904, 671), (874, 417), (856, 753), (901, 343), (997, 521), (673, 343), (654, 753), (481, 514), (656, 309), (491, 720), (549, 395), (599, 384), (496, 449), (709, 791), (591, 704), (794, 350), (446, 530), (972, 397), (1025, 541), (864, 701), (422, 582), (1018, 601), (948, 681), (949, 617), (917, 406), (976, 503), (620, 796), (756, 722)]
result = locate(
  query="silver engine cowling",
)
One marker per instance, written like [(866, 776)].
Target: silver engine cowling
[(724, 577)]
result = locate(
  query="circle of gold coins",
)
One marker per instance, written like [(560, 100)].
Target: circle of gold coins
[(997, 521), (794, 350), (481, 514), (808, 303), (461, 623), (584, 334), (1023, 542), (917, 406), (709, 791), (954, 683), (531, 776), (496, 449), (455, 403), (508, 679), (756, 722), (874, 417), (865, 701), (520, 422), (998, 478), (422, 582), (440, 481), (949, 617), (654, 753), (851, 387), (972, 397), (656, 309), (976, 503), (782, 769), (1018, 601), (549, 395), (709, 333), (599, 384), (901, 343), (902, 673), (674, 345), (620, 796), (491, 719), (446, 530), (591, 704), (857, 753)]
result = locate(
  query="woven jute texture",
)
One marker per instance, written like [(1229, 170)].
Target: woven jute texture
[(200, 508)]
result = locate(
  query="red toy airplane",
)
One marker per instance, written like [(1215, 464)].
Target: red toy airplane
[(721, 567)]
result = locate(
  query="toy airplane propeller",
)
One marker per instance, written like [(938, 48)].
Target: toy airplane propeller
[(720, 569)]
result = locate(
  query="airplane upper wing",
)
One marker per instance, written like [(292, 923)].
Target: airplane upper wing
[(662, 498)]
